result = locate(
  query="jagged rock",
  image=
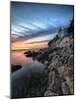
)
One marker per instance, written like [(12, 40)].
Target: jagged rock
[(65, 88), (50, 67), (55, 81), (71, 61), (46, 62), (65, 71), (68, 74), (64, 42), (28, 53), (50, 93)]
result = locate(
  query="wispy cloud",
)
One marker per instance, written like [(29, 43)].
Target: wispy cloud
[(37, 23)]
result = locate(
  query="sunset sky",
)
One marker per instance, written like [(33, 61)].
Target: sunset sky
[(33, 25)]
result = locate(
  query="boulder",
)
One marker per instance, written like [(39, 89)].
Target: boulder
[(28, 53), (15, 67)]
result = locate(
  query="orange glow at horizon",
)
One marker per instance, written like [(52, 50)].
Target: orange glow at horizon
[(32, 43), (21, 45)]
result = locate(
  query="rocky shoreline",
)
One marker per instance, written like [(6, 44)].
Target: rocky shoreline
[(55, 79), (59, 61)]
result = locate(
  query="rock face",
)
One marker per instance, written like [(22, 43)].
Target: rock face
[(55, 82), (61, 58), (60, 65), (65, 88)]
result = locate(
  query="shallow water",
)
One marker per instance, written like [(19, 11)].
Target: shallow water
[(18, 58), (21, 79), (28, 64)]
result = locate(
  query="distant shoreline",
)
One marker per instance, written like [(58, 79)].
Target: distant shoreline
[(28, 49)]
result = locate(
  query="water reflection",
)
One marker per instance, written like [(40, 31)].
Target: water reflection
[(18, 57)]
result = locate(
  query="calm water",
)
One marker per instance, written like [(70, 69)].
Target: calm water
[(28, 65), (21, 79), (18, 58)]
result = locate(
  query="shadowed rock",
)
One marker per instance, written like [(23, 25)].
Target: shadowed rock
[(28, 53), (15, 67)]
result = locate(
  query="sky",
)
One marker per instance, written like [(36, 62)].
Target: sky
[(34, 24)]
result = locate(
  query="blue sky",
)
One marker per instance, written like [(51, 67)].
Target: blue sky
[(33, 20)]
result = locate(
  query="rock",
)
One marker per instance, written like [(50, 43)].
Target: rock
[(15, 67), (61, 70), (65, 88), (71, 85), (50, 67), (50, 57), (55, 82), (68, 74), (50, 93), (28, 53), (65, 42), (71, 61)]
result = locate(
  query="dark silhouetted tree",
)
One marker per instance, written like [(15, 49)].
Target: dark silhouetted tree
[(71, 26)]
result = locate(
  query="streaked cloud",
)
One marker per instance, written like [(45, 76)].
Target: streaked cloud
[(34, 23)]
